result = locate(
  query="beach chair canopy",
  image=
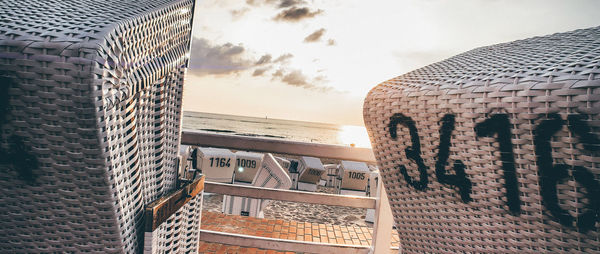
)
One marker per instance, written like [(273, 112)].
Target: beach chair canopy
[(247, 164), (355, 176), (90, 113), (310, 170), (495, 149), (217, 164)]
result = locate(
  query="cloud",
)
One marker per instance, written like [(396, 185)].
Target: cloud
[(268, 63), (315, 36), (283, 58), (321, 79), (290, 3), (331, 42), (227, 59), (254, 2), (295, 14), (217, 59), (237, 14), (277, 3), (298, 79), (278, 73), (260, 2), (264, 59), (260, 71), (295, 78)]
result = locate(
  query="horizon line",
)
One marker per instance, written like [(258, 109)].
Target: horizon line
[(266, 117)]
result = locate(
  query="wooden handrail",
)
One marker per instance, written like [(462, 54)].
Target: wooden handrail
[(290, 195), (269, 145)]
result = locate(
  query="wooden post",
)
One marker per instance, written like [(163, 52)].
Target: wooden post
[(382, 228)]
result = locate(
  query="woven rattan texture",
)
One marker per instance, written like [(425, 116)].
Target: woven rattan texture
[(549, 90), (167, 238), (93, 94)]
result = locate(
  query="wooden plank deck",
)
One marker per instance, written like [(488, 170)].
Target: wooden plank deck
[(302, 231)]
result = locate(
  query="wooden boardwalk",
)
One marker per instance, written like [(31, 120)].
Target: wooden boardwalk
[(294, 230)]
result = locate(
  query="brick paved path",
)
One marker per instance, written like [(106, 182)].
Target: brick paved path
[(302, 231)]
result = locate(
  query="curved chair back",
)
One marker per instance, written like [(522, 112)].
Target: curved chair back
[(495, 149)]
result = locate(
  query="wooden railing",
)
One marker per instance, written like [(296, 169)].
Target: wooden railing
[(382, 228), (269, 145)]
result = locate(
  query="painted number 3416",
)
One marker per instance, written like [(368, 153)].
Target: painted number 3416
[(499, 126)]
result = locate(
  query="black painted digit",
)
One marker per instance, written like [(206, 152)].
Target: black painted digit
[(581, 129), (499, 124), (23, 161), (587, 220), (460, 179), (413, 152), (582, 175), (19, 155), (550, 175)]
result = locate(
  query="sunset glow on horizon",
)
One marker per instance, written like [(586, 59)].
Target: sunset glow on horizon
[(316, 60)]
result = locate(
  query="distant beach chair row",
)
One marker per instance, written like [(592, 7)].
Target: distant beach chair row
[(266, 170)]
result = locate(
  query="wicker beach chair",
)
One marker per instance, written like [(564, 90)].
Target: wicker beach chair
[(310, 170), (269, 175), (495, 149), (332, 175), (284, 163), (372, 188), (247, 166), (217, 164), (355, 178), (186, 162), (90, 125)]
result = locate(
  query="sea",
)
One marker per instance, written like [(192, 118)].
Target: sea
[(324, 133)]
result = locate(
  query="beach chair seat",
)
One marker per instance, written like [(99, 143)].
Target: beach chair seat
[(495, 149), (216, 164), (241, 205), (310, 170)]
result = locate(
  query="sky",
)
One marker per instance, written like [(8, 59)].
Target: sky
[(314, 60)]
